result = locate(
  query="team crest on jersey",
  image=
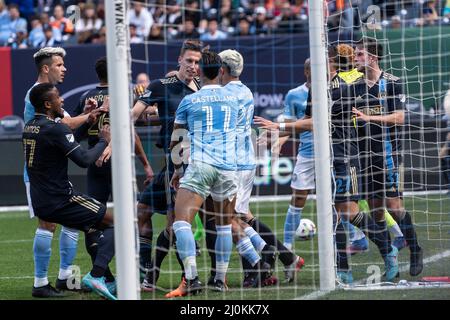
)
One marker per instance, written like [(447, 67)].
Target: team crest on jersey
[(402, 98), (70, 138)]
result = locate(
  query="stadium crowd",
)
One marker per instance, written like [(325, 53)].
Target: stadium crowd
[(41, 23)]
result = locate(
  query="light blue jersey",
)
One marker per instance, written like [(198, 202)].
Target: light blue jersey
[(28, 114), (294, 108), (211, 115), (245, 152)]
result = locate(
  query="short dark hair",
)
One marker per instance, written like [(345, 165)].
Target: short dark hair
[(210, 64), (371, 45), (101, 68), (191, 44), (39, 94)]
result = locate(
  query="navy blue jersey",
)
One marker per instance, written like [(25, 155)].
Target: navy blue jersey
[(343, 131), (167, 93), (47, 145), (383, 98)]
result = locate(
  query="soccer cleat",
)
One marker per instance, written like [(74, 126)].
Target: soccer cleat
[(178, 292), (219, 286), (399, 243), (112, 287), (346, 277), (150, 279), (269, 255), (249, 279), (46, 291), (291, 270), (61, 285), (357, 246), (416, 263), (98, 285), (260, 275), (391, 264)]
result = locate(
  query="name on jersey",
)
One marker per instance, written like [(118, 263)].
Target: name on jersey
[(375, 110), (203, 99), (31, 129)]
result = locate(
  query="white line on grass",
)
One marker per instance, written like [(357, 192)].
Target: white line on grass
[(319, 294)]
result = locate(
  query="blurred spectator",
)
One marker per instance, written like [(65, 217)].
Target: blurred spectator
[(36, 36), (288, 22), (133, 34), (430, 14), (50, 40), (89, 21), (192, 12), (25, 7), (446, 10), (396, 22), (140, 17), (260, 22), (213, 32), (62, 23), (20, 40), (244, 28), (45, 20), (100, 37), (156, 33), (226, 14), (3, 10), (187, 31), (10, 24)]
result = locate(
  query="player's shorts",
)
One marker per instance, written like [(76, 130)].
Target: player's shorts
[(394, 177), (80, 212), (373, 178), (303, 177), (158, 195), (346, 184), (99, 182), (30, 205), (206, 180), (244, 180)]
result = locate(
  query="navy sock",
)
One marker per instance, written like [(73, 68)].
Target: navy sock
[(105, 252), (407, 227), (341, 246), (375, 233), (211, 235)]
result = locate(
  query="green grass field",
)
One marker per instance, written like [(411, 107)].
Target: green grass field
[(431, 215)]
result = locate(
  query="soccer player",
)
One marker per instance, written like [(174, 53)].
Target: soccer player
[(50, 65), (158, 196), (233, 64), (345, 170), (211, 116), (47, 146), (99, 180), (381, 112)]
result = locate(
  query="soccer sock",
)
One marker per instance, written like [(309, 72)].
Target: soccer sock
[(247, 251), (224, 245), (180, 262), (186, 247), (407, 228), (285, 255), (363, 206), (145, 252), (291, 223), (375, 233), (42, 250), (105, 253), (68, 242), (162, 248), (341, 245), (211, 235), (200, 230), (255, 238), (392, 224)]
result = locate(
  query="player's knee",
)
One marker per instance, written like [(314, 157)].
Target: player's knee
[(49, 226)]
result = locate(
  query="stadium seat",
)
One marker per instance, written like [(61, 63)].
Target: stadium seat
[(11, 127)]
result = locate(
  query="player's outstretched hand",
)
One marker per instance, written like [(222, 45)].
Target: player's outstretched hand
[(91, 104), (149, 174), (265, 124), (360, 115), (175, 181), (105, 105)]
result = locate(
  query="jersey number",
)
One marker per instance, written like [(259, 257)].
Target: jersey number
[(209, 118), (32, 144)]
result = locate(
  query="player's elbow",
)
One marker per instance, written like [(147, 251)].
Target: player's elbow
[(400, 118)]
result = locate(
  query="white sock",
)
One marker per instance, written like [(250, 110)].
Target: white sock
[(288, 246), (40, 282), (395, 229), (64, 274)]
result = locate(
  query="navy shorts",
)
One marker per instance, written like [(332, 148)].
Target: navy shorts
[(346, 184), (99, 182), (79, 212), (158, 195)]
